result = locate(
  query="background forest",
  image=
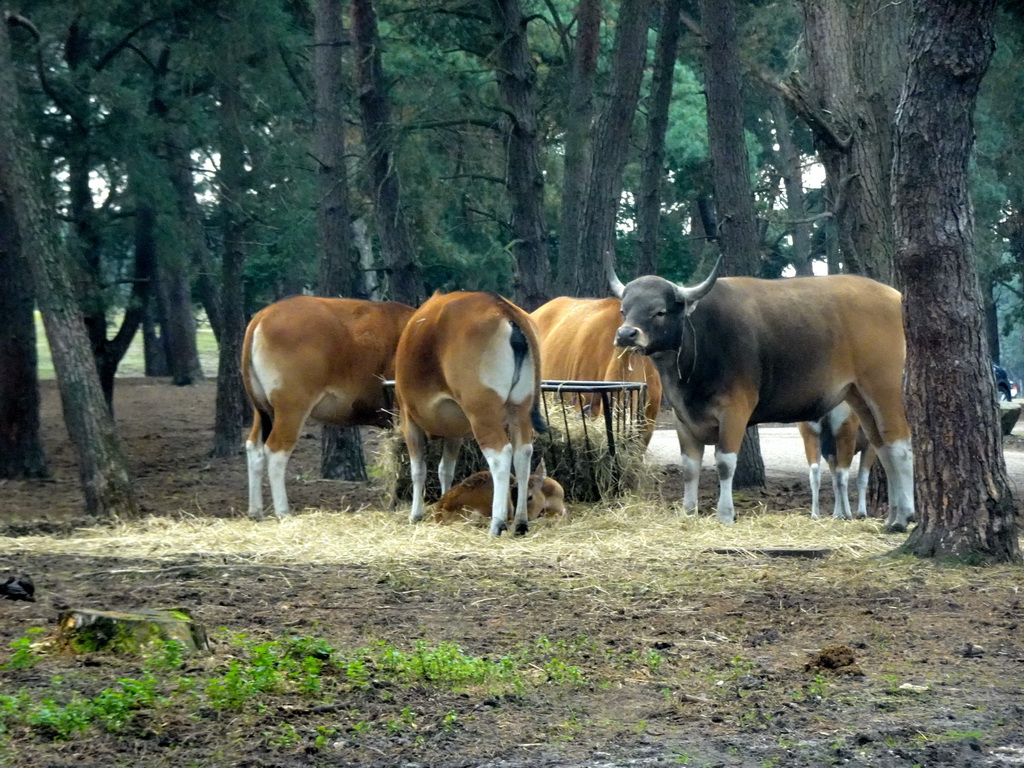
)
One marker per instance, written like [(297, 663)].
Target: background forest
[(203, 159), (177, 131)]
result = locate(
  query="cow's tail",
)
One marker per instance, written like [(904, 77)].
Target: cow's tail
[(524, 344), (261, 414), (829, 452)]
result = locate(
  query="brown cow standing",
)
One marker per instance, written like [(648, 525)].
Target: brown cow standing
[(577, 343), (468, 364), (309, 357)]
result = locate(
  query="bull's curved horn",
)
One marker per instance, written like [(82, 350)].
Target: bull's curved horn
[(699, 291), (613, 279)]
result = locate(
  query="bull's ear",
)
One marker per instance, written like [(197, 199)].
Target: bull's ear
[(541, 471), (613, 279), (692, 295)]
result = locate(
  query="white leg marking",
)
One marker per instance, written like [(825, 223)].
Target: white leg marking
[(726, 463), (898, 460), (691, 480), (277, 464), (446, 469), (814, 476), (257, 464), (500, 464), (841, 490), (418, 473), (521, 458), (863, 474)]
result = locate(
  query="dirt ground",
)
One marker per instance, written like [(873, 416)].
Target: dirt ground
[(699, 660)]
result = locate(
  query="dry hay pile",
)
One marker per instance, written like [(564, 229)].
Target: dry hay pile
[(575, 451), (631, 538)]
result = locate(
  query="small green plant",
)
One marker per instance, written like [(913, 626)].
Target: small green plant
[(169, 657), (285, 736), (654, 660), (324, 735), (819, 686), (451, 721), (24, 656)]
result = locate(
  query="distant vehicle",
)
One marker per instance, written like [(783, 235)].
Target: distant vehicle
[(1006, 392)]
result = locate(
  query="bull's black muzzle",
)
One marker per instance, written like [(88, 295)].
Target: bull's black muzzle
[(626, 336)]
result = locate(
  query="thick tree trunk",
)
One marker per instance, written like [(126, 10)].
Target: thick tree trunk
[(341, 455), (104, 474), (792, 179), (734, 197), (524, 176), (648, 209), (965, 507), (403, 273), (611, 148), (578, 130), (21, 448), (174, 292), (855, 67), (232, 408)]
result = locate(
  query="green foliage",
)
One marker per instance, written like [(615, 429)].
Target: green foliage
[(23, 655)]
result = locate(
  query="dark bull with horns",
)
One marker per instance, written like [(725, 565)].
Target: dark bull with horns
[(739, 350)]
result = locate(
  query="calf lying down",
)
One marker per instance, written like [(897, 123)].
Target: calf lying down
[(471, 499)]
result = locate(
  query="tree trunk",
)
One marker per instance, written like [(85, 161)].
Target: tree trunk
[(792, 178), (648, 209), (403, 273), (611, 148), (21, 448), (232, 409), (341, 455), (179, 165), (734, 197), (104, 474), (578, 130), (154, 346), (855, 65), (965, 507), (524, 177), (174, 292)]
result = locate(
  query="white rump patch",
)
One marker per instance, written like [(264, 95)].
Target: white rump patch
[(498, 371), (264, 377)]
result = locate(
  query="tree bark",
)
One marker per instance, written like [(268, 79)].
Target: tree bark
[(103, 471), (648, 212), (179, 164), (734, 196), (403, 273), (855, 66), (792, 179), (174, 294), (341, 455), (611, 148), (232, 409), (965, 507), (21, 447), (578, 130), (524, 177)]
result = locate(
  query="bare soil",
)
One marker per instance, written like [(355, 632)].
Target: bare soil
[(749, 661)]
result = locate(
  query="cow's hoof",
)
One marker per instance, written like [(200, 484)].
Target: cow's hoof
[(497, 531), (896, 528), (256, 517), (522, 529)]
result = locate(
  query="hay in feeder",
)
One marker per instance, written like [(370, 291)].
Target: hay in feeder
[(593, 458)]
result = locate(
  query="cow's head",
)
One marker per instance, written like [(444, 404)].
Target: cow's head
[(653, 310)]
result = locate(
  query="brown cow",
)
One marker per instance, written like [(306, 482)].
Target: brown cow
[(468, 364), (473, 497), (577, 343), (836, 437), (308, 357)]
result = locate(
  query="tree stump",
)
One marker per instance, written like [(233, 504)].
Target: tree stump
[(129, 632)]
